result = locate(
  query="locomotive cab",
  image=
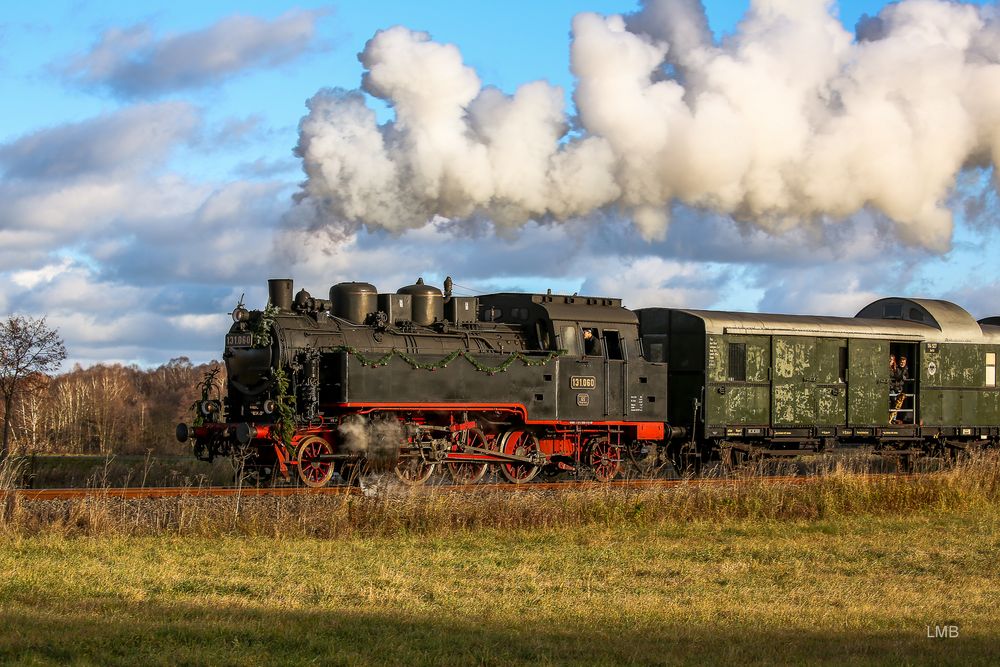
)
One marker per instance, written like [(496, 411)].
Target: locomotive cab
[(602, 373)]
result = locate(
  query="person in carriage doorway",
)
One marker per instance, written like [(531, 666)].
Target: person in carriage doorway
[(591, 346), (903, 371), (893, 384)]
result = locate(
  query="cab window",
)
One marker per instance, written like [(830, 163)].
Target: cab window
[(569, 340), (591, 342), (544, 340), (613, 345)]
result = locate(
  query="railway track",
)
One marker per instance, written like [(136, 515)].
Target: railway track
[(344, 490)]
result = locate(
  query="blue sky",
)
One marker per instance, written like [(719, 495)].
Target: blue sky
[(147, 165)]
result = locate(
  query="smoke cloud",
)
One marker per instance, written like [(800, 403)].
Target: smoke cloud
[(792, 121)]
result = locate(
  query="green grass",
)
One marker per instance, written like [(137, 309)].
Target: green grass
[(847, 568), (861, 588)]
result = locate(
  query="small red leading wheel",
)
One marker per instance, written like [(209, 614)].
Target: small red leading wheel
[(468, 473), (519, 443), (314, 469), (604, 459)]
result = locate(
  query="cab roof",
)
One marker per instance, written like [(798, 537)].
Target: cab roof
[(560, 307)]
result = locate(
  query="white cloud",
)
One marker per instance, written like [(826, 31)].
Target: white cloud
[(133, 62), (130, 259), (208, 325), (31, 279), (122, 141), (648, 281)]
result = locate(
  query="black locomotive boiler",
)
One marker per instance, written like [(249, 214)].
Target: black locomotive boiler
[(421, 379)]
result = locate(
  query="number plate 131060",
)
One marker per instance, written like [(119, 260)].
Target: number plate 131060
[(239, 340)]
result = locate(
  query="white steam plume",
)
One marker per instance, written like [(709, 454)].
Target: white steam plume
[(789, 121), (378, 439)]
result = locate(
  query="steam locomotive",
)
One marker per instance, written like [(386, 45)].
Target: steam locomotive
[(422, 380)]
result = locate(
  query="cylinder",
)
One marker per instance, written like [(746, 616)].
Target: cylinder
[(279, 290), (427, 303), (354, 301)]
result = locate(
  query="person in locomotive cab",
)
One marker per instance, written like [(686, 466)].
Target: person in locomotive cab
[(591, 346)]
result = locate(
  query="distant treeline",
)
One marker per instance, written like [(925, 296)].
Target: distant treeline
[(107, 409)]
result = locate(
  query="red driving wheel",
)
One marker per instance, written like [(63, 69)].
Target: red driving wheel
[(314, 470), (519, 443)]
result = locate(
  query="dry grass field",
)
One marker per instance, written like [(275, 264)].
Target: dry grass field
[(846, 569), (52, 471)]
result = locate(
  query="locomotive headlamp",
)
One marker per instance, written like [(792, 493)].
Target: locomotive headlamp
[(241, 314), (270, 407), (209, 407)]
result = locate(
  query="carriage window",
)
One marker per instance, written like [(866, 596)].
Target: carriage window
[(569, 341), (843, 365), (613, 344), (892, 311), (991, 369), (737, 371)]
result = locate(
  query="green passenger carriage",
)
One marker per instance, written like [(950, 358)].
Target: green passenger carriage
[(750, 382)]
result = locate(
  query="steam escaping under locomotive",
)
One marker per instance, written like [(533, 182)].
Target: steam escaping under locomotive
[(422, 380)]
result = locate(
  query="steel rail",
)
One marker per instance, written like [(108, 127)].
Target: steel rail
[(343, 490), (179, 492)]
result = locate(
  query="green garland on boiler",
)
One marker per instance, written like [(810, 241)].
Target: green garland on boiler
[(285, 423), (443, 362)]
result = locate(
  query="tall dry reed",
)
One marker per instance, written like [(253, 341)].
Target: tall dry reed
[(840, 489)]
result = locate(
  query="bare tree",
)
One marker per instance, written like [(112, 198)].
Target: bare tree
[(32, 404), (27, 346)]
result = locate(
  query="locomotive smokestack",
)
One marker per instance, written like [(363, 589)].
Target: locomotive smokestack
[(279, 290)]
